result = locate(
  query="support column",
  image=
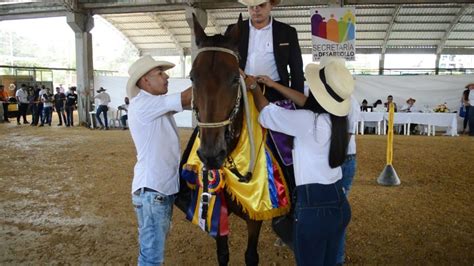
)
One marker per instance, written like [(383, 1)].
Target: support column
[(438, 57), (81, 24), (382, 62), (182, 60)]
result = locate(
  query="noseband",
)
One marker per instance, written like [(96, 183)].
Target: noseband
[(235, 110)]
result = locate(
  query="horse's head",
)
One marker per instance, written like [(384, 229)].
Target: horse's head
[(216, 98)]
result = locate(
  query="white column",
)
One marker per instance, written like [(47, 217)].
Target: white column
[(81, 24)]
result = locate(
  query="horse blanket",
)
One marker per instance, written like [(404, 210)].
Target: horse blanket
[(264, 197)]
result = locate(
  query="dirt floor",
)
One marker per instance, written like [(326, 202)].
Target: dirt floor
[(65, 198)]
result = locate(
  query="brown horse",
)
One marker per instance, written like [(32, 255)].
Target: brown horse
[(218, 107)]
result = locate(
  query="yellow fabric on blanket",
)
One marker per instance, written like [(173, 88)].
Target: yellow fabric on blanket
[(254, 196)]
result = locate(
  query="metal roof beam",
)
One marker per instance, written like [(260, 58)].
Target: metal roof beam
[(165, 52), (462, 11), (167, 29), (213, 20), (120, 31), (387, 36)]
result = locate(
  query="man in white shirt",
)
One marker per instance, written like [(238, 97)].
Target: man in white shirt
[(103, 100), (409, 107), (155, 135), (22, 100)]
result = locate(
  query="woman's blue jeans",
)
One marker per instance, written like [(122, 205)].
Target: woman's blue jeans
[(154, 211), (322, 212), (348, 172)]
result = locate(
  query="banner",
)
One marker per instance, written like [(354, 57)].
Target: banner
[(333, 32)]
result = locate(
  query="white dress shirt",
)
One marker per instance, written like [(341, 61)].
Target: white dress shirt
[(156, 139), (22, 95), (352, 120), (260, 57), (312, 140), (407, 108), (102, 98), (471, 97)]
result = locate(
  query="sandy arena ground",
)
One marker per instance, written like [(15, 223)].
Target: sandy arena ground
[(65, 199)]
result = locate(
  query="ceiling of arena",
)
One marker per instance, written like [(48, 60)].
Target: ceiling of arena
[(159, 27)]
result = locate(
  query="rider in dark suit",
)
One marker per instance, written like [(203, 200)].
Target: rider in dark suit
[(267, 47), (286, 48)]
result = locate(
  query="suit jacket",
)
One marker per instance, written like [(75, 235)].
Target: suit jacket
[(287, 53)]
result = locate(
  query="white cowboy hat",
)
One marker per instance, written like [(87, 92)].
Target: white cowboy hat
[(140, 68), (331, 84), (258, 2)]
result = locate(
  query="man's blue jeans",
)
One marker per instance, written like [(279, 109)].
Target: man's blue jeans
[(348, 172), (322, 212), (154, 211), (102, 109)]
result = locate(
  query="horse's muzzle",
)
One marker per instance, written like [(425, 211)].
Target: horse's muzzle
[(212, 159)]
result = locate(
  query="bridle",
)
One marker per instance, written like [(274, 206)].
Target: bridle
[(236, 108), (241, 93)]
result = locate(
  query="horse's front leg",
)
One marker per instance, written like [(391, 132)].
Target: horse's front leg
[(222, 250), (251, 254)]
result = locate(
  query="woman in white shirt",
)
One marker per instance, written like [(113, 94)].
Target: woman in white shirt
[(322, 211)]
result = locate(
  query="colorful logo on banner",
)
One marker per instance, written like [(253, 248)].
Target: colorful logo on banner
[(333, 32)]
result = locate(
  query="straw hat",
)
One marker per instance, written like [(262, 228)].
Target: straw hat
[(258, 2), (331, 84), (468, 85), (140, 68), (411, 99)]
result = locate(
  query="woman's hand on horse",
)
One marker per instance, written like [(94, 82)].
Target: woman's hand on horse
[(266, 80), (251, 82)]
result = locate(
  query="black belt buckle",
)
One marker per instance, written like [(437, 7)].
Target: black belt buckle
[(143, 190)]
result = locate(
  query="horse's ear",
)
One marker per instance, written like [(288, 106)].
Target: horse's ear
[(198, 31), (234, 33)]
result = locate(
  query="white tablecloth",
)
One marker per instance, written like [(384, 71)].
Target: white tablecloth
[(448, 120)]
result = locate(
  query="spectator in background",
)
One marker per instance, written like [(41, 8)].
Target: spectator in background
[(47, 99), (410, 107), (365, 107), (124, 117), (36, 113), (4, 101), (390, 100), (22, 100), (71, 101), (466, 105), (470, 86), (103, 99), (378, 106), (59, 100)]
